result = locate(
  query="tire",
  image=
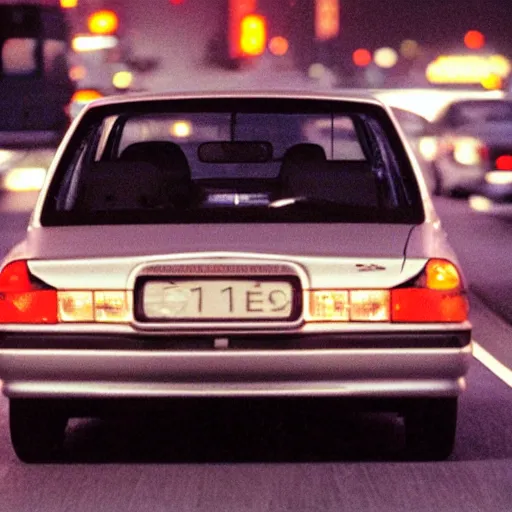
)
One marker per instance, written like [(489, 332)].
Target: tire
[(430, 428), (37, 430)]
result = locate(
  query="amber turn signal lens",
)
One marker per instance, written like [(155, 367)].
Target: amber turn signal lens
[(442, 275)]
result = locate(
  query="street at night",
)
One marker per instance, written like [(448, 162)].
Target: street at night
[(239, 453)]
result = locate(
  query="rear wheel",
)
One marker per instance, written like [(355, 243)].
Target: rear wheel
[(37, 429), (430, 428)]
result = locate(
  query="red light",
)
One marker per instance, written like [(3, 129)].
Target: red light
[(176, 2), (22, 301), (474, 39), (362, 57), (436, 296), (504, 163)]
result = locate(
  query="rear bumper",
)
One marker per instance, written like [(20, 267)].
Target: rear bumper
[(395, 372)]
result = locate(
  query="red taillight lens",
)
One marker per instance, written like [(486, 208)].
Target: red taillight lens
[(23, 300), (504, 163), (437, 295)]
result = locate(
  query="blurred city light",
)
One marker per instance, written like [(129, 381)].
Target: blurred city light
[(68, 4), (474, 40), (504, 163), (385, 58), (428, 148), (77, 73), (253, 35), (316, 70), (25, 179), (361, 57), (499, 178), (492, 82), (409, 49), (103, 22), (85, 43), (278, 46), (176, 2), (467, 69), (327, 19), (122, 79), (181, 129), (480, 203), (237, 11)]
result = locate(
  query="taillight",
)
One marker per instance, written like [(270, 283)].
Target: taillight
[(469, 150), (437, 295), (504, 163), (24, 299)]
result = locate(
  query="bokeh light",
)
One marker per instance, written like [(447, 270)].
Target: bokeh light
[(361, 57), (409, 49), (278, 46), (385, 57), (122, 79), (474, 39)]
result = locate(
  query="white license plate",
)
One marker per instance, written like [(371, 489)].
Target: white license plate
[(218, 299)]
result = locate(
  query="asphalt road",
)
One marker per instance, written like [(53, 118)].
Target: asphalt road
[(293, 456)]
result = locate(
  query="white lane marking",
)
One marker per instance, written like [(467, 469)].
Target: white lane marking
[(490, 362)]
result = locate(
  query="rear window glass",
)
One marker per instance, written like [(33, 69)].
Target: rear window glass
[(248, 160)]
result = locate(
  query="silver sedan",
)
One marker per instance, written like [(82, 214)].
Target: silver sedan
[(233, 245)]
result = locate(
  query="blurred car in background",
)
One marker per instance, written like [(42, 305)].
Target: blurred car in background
[(469, 139)]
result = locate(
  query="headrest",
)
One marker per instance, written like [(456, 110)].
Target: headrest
[(166, 155), (304, 151)]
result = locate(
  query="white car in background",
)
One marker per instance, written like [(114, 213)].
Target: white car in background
[(236, 245)]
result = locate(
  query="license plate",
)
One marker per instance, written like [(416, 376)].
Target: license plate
[(217, 299)]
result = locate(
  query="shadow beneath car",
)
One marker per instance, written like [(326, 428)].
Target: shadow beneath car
[(239, 431)]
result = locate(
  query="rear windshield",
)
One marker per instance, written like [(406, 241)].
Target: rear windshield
[(239, 160)]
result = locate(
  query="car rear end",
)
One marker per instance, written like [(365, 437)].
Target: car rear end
[(263, 285)]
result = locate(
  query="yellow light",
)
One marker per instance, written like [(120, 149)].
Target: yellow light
[(442, 275), (103, 22), (25, 179), (467, 69), (85, 96), (253, 35), (181, 129), (369, 306), (111, 306), (492, 82), (329, 306), (75, 306), (122, 79), (68, 4)]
